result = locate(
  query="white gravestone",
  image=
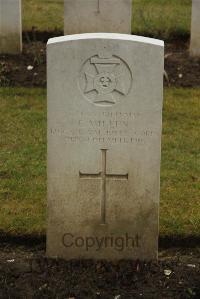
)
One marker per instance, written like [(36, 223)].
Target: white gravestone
[(82, 16), (195, 29), (10, 26), (105, 95)]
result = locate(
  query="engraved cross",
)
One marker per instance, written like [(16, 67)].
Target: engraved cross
[(103, 175), (98, 6)]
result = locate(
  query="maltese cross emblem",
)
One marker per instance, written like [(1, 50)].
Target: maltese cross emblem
[(106, 78)]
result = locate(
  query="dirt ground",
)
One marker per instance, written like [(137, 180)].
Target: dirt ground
[(29, 68), (25, 272)]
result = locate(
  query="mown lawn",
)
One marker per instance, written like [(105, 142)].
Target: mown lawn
[(158, 18), (180, 171), (161, 18), (23, 162)]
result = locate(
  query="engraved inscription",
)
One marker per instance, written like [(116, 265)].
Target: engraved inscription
[(105, 79), (103, 175), (108, 128)]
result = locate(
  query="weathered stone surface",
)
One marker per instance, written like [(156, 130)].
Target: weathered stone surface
[(104, 145), (10, 26), (195, 29), (97, 16)]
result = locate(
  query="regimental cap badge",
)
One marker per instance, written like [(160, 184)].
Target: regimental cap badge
[(105, 79)]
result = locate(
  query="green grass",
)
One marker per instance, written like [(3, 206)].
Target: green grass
[(23, 162), (43, 14), (180, 172), (159, 18)]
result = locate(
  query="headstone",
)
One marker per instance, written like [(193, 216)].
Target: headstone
[(10, 26), (97, 16), (195, 29), (105, 96)]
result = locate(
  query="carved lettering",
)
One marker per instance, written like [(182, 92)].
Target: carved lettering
[(112, 128)]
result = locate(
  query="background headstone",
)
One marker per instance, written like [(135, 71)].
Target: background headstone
[(195, 29), (97, 16), (105, 96), (10, 26)]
